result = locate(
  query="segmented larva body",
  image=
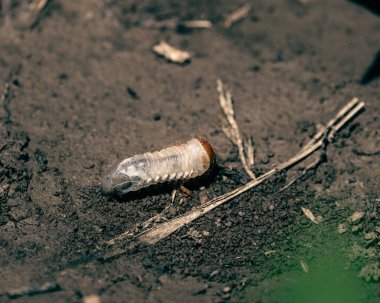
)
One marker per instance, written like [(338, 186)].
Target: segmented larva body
[(178, 162)]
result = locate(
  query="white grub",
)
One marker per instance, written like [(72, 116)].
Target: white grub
[(237, 15), (171, 53), (178, 162)]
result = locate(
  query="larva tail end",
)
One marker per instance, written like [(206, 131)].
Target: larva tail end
[(208, 149)]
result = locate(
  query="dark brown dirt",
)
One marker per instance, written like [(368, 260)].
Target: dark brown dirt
[(86, 91)]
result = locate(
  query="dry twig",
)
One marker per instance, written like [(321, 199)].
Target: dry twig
[(165, 229), (237, 15), (250, 153), (201, 24), (233, 132), (175, 24), (36, 12), (38, 5)]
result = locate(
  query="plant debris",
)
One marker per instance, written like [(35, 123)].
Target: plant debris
[(237, 15), (171, 53), (232, 131)]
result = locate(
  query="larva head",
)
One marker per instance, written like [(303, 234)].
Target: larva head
[(208, 149), (118, 183)]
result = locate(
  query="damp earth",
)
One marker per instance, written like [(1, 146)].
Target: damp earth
[(82, 90)]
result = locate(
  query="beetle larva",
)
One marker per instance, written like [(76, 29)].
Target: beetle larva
[(178, 162)]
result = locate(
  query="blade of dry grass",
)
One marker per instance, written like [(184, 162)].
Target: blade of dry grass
[(237, 15), (342, 113), (250, 152), (203, 24), (233, 132)]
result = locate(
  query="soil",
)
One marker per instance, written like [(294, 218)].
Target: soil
[(86, 91)]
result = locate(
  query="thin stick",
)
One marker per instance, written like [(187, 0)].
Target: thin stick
[(174, 24), (38, 10), (225, 100), (348, 107), (347, 118), (237, 15), (310, 167), (163, 230), (250, 152), (196, 24)]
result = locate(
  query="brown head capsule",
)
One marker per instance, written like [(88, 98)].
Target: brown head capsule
[(177, 162)]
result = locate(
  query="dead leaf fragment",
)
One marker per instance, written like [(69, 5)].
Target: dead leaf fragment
[(307, 212), (304, 266), (171, 53), (356, 216)]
